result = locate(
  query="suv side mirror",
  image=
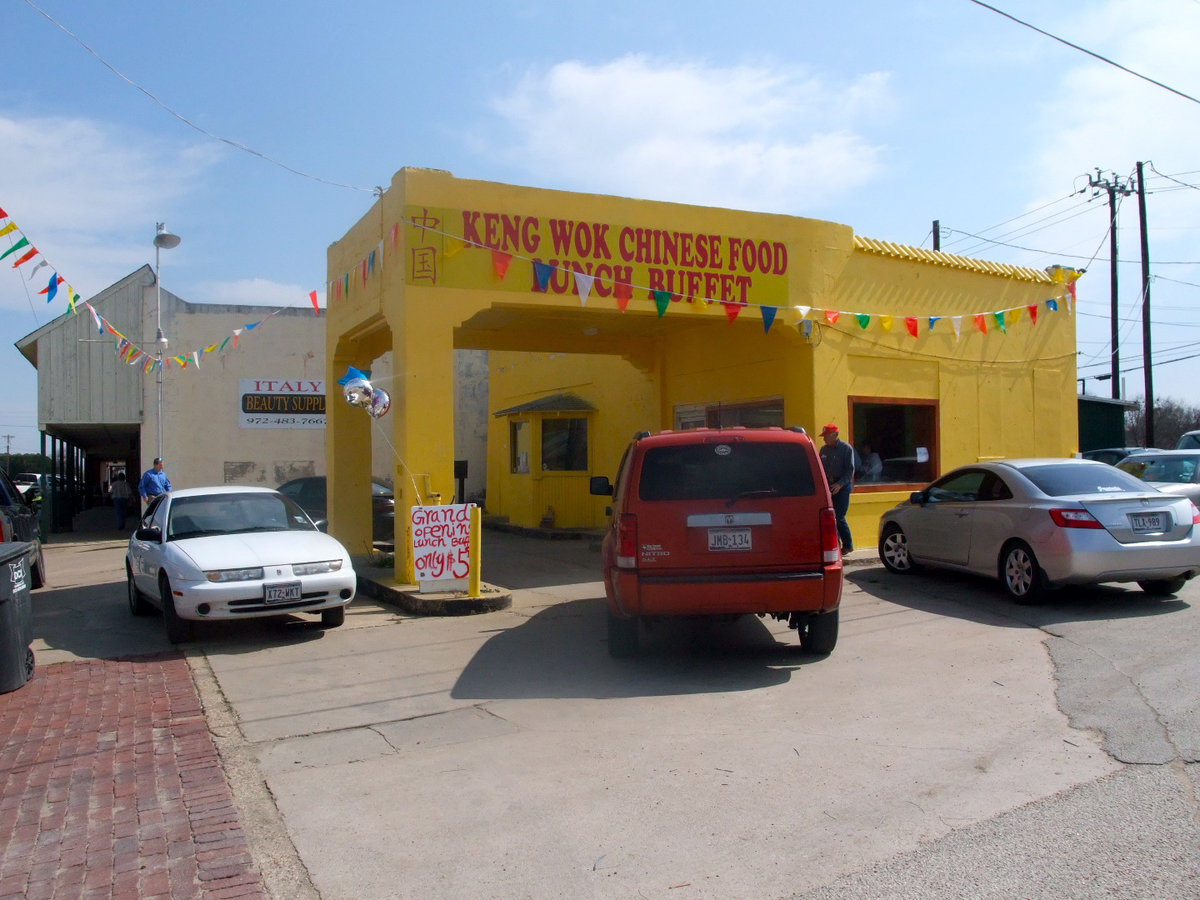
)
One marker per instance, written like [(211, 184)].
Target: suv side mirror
[(918, 497), (600, 486)]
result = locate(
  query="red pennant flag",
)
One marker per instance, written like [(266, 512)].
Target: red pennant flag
[(981, 323), (500, 263), (624, 293), (732, 309), (831, 316), (27, 257), (312, 295), (1033, 312), (910, 322)]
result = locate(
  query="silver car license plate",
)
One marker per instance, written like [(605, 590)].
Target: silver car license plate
[(1146, 523), (281, 593), (729, 539)]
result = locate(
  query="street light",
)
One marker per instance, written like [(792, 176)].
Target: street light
[(163, 239)]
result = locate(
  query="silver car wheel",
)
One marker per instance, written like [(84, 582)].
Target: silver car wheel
[(1021, 575), (893, 550)]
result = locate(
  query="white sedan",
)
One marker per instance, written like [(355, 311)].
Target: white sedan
[(234, 552)]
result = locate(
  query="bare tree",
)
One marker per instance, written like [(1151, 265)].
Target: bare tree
[(1171, 419)]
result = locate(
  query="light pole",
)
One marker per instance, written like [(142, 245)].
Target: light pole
[(162, 239)]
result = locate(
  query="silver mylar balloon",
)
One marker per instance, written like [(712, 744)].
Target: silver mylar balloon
[(358, 392), (381, 402)]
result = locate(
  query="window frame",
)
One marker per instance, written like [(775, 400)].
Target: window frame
[(932, 408)]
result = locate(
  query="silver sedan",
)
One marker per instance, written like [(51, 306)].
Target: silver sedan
[(1037, 524), (1169, 471)]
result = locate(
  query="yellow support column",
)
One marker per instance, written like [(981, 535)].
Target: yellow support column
[(476, 540)]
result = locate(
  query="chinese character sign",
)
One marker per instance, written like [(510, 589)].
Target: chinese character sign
[(441, 538)]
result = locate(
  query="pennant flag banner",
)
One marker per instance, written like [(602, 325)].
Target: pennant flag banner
[(768, 317), (623, 292)]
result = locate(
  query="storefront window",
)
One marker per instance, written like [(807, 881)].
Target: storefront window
[(896, 440), (564, 445), (519, 443)]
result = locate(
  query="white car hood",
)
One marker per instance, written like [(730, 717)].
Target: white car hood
[(262, 548)]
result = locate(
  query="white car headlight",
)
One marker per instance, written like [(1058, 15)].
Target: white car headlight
[(317, 568), (235, 575)]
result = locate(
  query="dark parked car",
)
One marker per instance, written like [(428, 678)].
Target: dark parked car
[(20, 521), (310, 494), (1111, 455)]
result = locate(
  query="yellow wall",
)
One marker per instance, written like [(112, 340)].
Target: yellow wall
[(456, 266)]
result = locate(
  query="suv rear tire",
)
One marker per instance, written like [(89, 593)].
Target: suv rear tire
[(821, 633)]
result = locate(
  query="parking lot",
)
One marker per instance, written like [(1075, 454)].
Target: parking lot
[(950, 746)]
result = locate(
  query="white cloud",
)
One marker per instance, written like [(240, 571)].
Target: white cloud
[(766, 139), (87, 195)]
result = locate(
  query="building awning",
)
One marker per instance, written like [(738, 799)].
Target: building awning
[(553, 403)]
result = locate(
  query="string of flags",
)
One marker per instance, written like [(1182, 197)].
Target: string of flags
[(623, 292), (127, 350)]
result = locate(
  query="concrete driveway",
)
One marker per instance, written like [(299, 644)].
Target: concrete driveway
[(506, 755)]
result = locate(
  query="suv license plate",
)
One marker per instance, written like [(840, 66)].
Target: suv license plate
[(281, 593), (729, 539), (1146, 523)]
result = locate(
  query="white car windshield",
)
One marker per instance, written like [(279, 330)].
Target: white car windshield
[(234, 514)]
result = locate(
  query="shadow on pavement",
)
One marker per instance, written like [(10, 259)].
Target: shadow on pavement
[(562, 652), (982, 600)]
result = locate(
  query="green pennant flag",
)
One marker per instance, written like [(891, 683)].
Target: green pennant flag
[(662, 299), (863, 320), (23, 242), (1000, 321)]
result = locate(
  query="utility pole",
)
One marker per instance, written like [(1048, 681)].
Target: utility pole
[(8, 439), (1113, 185), (1146, 365)]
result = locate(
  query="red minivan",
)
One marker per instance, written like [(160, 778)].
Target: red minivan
[(721, 522)]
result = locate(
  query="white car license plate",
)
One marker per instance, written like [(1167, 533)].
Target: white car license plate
[(281, 593), (729, 539), (1146, 523)]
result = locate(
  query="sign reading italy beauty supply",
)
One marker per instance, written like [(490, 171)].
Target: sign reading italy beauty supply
[(441, 538), (468, 248), (281, 403)]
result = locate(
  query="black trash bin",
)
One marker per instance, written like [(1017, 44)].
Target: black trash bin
[(16, 617)]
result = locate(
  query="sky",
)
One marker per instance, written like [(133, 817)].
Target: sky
[(257, 132)]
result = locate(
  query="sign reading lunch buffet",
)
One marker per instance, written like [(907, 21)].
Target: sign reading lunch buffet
[(451, 248), (441, 545), (281, 403)]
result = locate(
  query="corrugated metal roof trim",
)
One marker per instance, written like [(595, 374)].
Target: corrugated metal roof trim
[(553, 403), (949, 260)]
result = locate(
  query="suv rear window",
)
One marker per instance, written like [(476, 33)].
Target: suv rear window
[(714, 471)]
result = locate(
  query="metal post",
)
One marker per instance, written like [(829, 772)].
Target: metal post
[(1147, 366)]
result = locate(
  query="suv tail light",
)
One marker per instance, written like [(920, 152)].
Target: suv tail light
[(627, 541), (1195, 515), (831, 544)]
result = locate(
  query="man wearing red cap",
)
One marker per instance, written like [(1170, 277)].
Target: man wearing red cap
[(837, 458)]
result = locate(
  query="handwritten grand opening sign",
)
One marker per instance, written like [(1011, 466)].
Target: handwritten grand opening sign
[(441, 544)]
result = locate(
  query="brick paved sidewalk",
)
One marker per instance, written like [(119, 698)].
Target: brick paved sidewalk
[(112, 787)]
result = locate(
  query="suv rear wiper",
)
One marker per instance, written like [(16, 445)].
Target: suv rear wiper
[(768, 492)]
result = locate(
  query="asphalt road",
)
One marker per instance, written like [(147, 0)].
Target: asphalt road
[(953, 745)]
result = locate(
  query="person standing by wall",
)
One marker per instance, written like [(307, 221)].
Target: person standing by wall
[(121, 492), (154, 482), (837, 458)]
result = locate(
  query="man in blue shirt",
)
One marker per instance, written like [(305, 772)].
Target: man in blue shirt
[(837, 458), (154, 482)]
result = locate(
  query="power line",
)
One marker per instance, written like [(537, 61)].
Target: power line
[(1103, 59), (216, 137)]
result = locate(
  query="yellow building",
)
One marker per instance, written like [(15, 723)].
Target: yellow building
[(606, 315)]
